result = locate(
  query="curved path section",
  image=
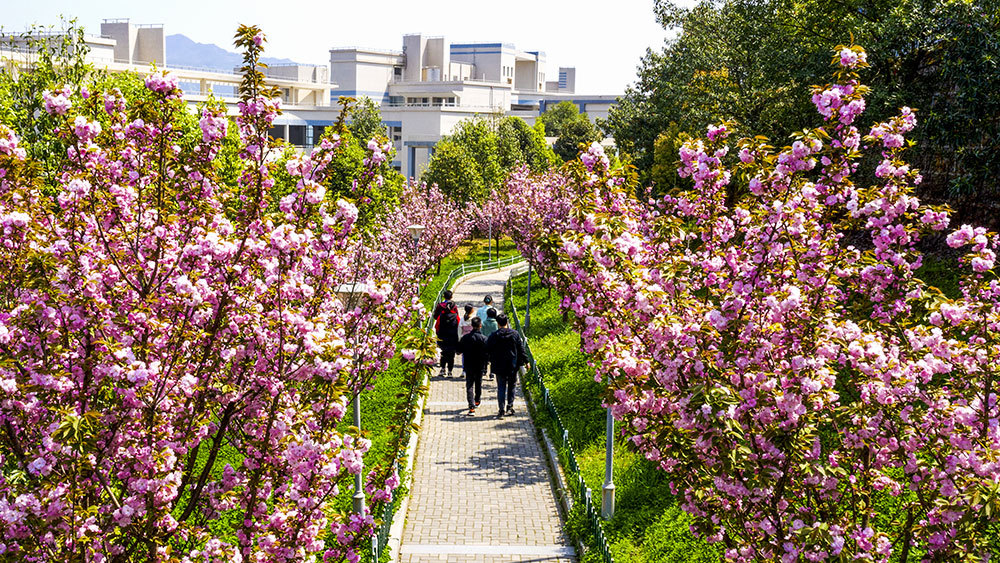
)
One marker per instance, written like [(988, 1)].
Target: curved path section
[(481, 488)]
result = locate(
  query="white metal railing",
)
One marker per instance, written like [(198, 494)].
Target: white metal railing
[(464, 269)]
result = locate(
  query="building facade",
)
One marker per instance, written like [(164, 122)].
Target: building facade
[(424, 90)]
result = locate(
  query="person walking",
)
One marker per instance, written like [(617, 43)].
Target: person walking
[(472, 347), (490, 324), (466, 325), (487, 305), (489, 327), (507, 355), (446, 326)]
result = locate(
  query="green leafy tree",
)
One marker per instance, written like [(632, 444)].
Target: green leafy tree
[(751, 63), (557, 116), (571, 128), (574, 134), (55, 60), (521, 143), (364, 120), (663, 174), (360, 122), (456, 172), (347, 163), (481, 153)]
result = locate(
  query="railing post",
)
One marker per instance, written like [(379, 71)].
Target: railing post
[(527, 313)]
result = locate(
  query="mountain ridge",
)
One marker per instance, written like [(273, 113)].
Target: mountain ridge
[(184, 51)]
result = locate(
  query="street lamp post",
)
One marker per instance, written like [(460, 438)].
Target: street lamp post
[(349, 293), (527, 309), (608, 492), (359, 493), (416, 230)]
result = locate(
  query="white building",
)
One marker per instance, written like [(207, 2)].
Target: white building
[(430, 85), (424, 90)]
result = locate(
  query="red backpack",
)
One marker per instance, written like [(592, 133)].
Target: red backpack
[(447, 317)]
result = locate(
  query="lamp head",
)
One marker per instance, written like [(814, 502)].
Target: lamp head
[(415, 231), (349, 292)]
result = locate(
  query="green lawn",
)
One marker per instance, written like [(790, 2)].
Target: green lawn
[(648, 526)]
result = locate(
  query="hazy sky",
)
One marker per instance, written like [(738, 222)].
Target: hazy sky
[(603, 40)]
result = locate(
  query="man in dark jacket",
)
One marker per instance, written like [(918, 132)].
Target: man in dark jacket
[(507, 355), (472, 347), (446, 319)]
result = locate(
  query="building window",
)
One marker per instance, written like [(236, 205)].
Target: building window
[(318, 131), (297, 134), (277, 132)]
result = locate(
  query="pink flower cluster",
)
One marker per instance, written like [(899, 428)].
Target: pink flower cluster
[(57, 103), (802, 392), (213, 126), (162, 83), (9, 144)]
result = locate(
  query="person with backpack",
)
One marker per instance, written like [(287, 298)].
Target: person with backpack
[(507, 355), (472, 347), (446, 326)]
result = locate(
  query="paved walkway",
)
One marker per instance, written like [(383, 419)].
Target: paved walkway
[(481, 487)]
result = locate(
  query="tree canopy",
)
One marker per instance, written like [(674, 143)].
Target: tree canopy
[(572, 128), (365, 120), (751, 63), (482, 152)]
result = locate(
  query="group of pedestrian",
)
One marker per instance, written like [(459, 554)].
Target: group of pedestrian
[(487, 345)]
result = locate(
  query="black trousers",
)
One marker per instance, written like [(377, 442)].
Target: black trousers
[(473, 386), (506, 383), (448, 358)]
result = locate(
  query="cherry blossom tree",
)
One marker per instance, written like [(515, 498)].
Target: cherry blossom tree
[(446, 223), (812, 399), (176, 353)]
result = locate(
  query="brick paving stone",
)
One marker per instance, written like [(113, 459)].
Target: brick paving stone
[(480, 481)]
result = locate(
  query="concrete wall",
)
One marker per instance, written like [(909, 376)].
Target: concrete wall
[(124, 35), (461, 71), (362, 73), (150, 46), (567, 80), (413, 47), (437, 55), (135, 44), (526, 76)]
